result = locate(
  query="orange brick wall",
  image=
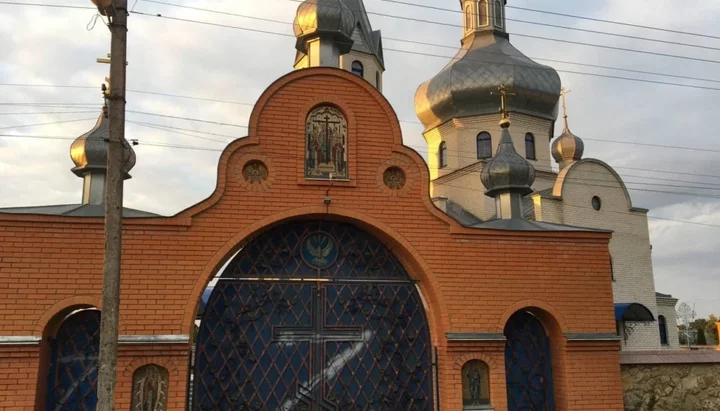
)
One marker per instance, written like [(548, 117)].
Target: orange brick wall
[(471, 280)]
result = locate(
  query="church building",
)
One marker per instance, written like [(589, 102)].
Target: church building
[(333, 269)]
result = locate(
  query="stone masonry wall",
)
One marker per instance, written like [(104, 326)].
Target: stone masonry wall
[(672, 386)]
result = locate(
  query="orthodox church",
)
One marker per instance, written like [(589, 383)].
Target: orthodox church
[(347, 273)]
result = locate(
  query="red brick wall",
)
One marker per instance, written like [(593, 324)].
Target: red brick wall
[(471, 280)]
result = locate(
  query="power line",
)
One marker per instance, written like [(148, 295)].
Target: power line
[(47, 124), (177, 132), (545, 38), (60, 6), (639, 26), (44, 112), (186, 118), (440, 56), (182, 129), (537, 23)]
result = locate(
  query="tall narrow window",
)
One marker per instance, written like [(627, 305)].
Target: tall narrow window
[(442, 155), (377, 80), (484, 145), (498, 13), (483, 13), (530, 146), (357, 68), (468, 17), (662, 323)]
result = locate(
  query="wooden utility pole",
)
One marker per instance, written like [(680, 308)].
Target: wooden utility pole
[(118, 14)]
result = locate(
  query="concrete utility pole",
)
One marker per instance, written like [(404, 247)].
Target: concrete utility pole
[(117, 13)]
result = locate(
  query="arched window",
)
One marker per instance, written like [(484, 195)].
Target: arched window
[(530, 146), (476, 385), (483, 13), (662, 323), (498, 13), (442, 155), (357, 68), (484, 145), (468, 17)]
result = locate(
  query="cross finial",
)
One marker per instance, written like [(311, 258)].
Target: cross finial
[(504, 95), (564, 92)]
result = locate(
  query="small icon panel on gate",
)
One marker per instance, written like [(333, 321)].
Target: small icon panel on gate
[(319, 250)]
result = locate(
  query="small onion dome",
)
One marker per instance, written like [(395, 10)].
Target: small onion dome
[(507, 171), (324, 18), (487, 60), (89, 151), (567, 148)]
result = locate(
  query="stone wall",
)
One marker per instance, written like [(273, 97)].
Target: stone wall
[(678, 381)]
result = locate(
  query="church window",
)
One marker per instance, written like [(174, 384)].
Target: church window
[(483, 13), (596, 203), (484, 145), (530, 147), (498, 14), (468, 17), (326, 144), (357, 68), (377, 80), (662, 323), (612, 269), (442, 155), (476, 385)]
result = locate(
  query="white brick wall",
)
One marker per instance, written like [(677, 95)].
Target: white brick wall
[(666, 308)]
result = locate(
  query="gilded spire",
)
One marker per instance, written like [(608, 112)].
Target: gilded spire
[(563, 93), (567, 148), (504, 98)]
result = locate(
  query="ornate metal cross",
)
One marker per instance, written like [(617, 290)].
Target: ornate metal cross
[(317, 334), (504, 95), (564, 92)]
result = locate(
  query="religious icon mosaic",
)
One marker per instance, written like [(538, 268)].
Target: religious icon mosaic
[(326, 144), (150, 385)]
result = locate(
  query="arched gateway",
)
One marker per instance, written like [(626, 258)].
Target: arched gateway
[(314, 316)]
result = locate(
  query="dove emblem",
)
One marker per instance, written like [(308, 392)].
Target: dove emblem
[(319, 250)]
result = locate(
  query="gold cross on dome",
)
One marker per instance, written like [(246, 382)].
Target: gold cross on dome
[(504, 95), (564, 92)]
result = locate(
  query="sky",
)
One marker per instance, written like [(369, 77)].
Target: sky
[(42, 46)]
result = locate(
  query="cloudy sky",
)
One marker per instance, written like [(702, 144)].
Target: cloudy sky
[(41, 46)]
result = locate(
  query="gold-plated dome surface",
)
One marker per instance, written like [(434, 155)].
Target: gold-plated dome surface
[(89, 151), (568, 147), (487, 60), (324, 17)]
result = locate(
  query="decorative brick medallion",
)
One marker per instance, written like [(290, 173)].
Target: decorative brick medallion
[(394, 178), (255, 172)]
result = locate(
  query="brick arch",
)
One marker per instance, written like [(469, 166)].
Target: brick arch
[(61, 308), (140, 362), (465, 358), (553, 314), (411, 259)]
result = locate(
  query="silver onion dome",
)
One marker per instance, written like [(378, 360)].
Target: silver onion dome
[(89, 151), (487, 60), (507, 171), (324, 18)]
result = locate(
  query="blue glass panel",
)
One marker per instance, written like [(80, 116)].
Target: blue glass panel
[(528, 366), (72, 383)]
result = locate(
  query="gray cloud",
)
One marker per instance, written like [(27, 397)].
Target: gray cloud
[(52, 46)]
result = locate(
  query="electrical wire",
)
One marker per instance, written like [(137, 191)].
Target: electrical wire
[(186, 118), (47, 124), (60, 6)]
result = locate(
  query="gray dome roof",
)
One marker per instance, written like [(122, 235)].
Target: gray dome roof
[(507, 171), (486, 61), (568, 147), (89, 151), (324, 17)]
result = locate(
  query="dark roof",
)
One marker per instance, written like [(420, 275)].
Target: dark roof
[(633, 312), (75, 210), (460, 214), (373, 39)]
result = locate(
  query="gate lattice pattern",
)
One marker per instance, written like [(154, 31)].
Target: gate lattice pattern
[(350, 336), (72, 383), (528, 365)]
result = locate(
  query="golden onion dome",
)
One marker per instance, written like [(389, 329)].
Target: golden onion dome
[(89, 151), (330, 18)]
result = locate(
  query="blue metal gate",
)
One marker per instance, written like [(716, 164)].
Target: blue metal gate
[(314, 316), (72, 381), (528, 365)]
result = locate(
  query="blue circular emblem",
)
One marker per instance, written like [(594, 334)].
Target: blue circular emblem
[(319, 250)]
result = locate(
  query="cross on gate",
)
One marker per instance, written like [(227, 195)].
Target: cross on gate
[(317, 334)]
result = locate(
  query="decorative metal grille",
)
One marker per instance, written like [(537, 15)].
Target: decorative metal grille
[(528, 365), (351, 335), (72, 383)]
